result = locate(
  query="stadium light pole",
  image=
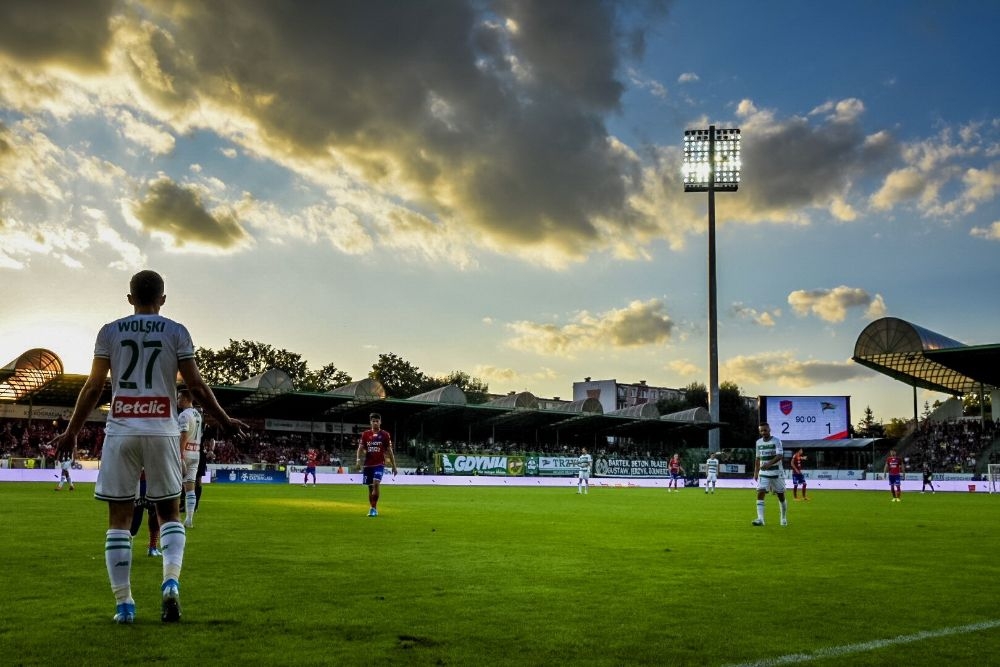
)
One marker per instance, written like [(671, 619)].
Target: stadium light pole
[(712, 163)]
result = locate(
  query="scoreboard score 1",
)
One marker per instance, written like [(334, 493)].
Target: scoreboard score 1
[(807, 417)]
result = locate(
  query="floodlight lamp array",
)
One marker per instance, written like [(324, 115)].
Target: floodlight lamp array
[(712, 160)]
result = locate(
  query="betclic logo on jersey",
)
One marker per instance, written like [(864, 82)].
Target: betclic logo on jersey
[(141, 407)]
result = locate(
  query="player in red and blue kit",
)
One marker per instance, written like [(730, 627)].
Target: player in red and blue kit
[(376, 445), (311, 456), (894, 468), (676, 470)]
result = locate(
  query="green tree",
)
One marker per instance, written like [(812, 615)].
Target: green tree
[(868, 427), (327, 378), (476, 390), (243, 359), (400, 378), (740, 417), (973, 403), (696, 395), (897, 428)]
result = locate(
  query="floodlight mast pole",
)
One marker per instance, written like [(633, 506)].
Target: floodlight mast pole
[(713, 323), (700, 167)]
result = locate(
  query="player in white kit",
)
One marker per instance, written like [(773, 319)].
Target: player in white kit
[(712, 471), (143, 353), (769, 473), (189, 421), (586, 462)]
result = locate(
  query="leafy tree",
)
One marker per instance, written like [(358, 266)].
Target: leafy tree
[(696, 395), (243, 359), (400, 378), (476, 390), (897, 428), (327, 378), (868, 427), (973, 403), (740, 417)]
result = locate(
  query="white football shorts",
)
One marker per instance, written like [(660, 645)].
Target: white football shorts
[(773, 484), (190, 466), (125, 456)]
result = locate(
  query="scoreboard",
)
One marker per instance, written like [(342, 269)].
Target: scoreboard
[(807, 417)]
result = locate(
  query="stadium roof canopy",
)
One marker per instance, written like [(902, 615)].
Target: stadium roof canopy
[(36, 378), (923, 358)]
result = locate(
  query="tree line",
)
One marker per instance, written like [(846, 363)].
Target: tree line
[(244, 359)]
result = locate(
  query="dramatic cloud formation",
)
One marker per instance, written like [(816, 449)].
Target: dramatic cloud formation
[(640, 323), (475, 127), (65, 33), (831, 305), (178, 214), (784, 369)]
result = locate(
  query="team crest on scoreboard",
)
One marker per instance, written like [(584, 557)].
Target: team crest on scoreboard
[(785, 407)]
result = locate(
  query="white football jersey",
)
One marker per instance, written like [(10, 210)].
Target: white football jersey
[(144, 351), (190, 421), (712, 465), (767, 450), (586, 460)]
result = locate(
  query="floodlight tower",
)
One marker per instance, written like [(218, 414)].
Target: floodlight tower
[(712, 164)]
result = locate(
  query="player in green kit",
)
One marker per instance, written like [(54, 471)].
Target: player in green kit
[(769, 474)]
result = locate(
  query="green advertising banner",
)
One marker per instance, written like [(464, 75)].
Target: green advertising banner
[(468, 464)]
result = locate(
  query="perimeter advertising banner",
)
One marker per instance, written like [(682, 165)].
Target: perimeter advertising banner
[(607, 466), (469, 464), (548, 466), (239, 476), (554, 466)]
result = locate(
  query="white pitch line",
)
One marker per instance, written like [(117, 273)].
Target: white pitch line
[(862, 647)]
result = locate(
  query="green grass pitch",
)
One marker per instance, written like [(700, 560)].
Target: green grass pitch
[(496, 575)]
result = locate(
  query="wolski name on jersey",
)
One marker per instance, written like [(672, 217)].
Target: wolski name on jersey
[(140, 406), (142, 326)]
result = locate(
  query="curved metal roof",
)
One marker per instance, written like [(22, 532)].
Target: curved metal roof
[(28, 373), (923, 358)]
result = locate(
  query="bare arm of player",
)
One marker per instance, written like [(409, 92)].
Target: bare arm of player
[(86, 402), (756, 469), (203, 394), (392, 457), (361, 447)]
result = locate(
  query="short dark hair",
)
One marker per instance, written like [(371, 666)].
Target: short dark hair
[(374, 415), (146, 287)]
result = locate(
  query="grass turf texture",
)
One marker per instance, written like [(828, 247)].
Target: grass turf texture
[(473, 576)]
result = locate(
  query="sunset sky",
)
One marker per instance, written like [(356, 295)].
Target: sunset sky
[(494, 186)]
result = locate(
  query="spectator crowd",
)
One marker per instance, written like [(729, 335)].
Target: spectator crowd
[(951, 446)]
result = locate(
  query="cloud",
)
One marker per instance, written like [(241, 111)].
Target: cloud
[(991, 233), (683, 367), (762, 318), (783, 369), (480, 127), (65, 33), (801, 163), (638, 324), (152, 138), (938, 177), (831, 305), (655, 88), (178, 215)]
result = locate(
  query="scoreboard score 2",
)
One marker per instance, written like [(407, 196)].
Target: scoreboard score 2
[(806, 417)]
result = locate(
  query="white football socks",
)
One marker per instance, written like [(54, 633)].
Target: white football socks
[(118, 558), (172, 541)]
